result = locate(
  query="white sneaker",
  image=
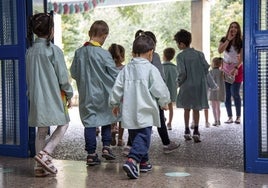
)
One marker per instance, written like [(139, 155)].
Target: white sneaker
[(207, 124)]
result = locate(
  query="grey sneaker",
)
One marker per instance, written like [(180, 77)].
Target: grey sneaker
[(171, 147)]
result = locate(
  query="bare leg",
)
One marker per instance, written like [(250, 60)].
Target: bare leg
[(170, 108), (215, 110), (206, 115), (120, 135), (196, 134), (186, 118), (196, 117), (206, 118)]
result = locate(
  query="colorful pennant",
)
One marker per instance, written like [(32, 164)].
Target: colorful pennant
[(72, 8)]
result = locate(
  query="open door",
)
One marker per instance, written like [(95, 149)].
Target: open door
[(256, 85)]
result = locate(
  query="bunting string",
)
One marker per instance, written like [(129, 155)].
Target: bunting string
[(72, 8)]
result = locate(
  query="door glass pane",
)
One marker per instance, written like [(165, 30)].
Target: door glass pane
[(8, 20), (263, 107), (38, 6), (9, 103)]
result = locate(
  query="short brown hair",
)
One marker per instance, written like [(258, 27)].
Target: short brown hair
[(98, 28), (169, 53)]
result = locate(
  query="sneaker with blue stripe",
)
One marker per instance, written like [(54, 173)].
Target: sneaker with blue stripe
[(145, 167), (131, 168)]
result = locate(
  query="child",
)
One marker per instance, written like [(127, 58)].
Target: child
[(168, 145), (142, 89), (118, 53), (49, 91), (94, 70), (171, 74), (192, 71), (217, 96)]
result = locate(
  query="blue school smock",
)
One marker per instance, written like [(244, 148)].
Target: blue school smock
[(142, 90), (47, 76), (95, 72), (192, 74), (171, 74)]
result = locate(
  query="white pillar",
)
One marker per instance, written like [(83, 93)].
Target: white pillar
[(200, 26)]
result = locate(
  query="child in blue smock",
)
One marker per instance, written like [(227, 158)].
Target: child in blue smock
[(95, 72), (48, 89), (141, 88), (118, 53), (170, 72), (192, 79)]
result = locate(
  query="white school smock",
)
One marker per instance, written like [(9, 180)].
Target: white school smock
[(47, 76), (141, 88)]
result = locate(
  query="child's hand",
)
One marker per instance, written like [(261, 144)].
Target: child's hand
[(116, 111), (164, 107)]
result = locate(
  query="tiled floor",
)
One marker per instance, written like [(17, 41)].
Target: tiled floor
[(18, 173), (216, 162)]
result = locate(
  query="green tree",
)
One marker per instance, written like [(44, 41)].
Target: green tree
[(222, 14), (163, 19)]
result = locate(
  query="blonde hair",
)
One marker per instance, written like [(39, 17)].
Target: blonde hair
[(217, 62)]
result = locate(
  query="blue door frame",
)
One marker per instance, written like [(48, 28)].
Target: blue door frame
[(255, 126), (12, 58)]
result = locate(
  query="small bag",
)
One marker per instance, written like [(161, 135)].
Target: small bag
[(229, 78)]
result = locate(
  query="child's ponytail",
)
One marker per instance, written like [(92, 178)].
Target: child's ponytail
[(40, 24), (30, 31)]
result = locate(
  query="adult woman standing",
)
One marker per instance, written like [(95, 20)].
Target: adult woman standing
[(232, 47)]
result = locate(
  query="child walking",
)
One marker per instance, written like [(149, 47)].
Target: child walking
[(142, 90), (217, 96), (118, 53), (49, 91), (95, 72), (170, 72), (192, 72), (168, 145)]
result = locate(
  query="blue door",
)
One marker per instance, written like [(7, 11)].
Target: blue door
[(13, 102), (256, 85)]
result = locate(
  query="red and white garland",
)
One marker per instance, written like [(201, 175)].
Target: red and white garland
[(71, 8)]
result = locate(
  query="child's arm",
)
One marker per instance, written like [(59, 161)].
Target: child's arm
[(116, 94), (181, 71)]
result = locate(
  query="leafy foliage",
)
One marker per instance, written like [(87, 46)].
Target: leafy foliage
[(222, 14), (163, 19)]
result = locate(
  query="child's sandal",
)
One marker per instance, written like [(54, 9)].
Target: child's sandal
[(46, 161), (40, 172)]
